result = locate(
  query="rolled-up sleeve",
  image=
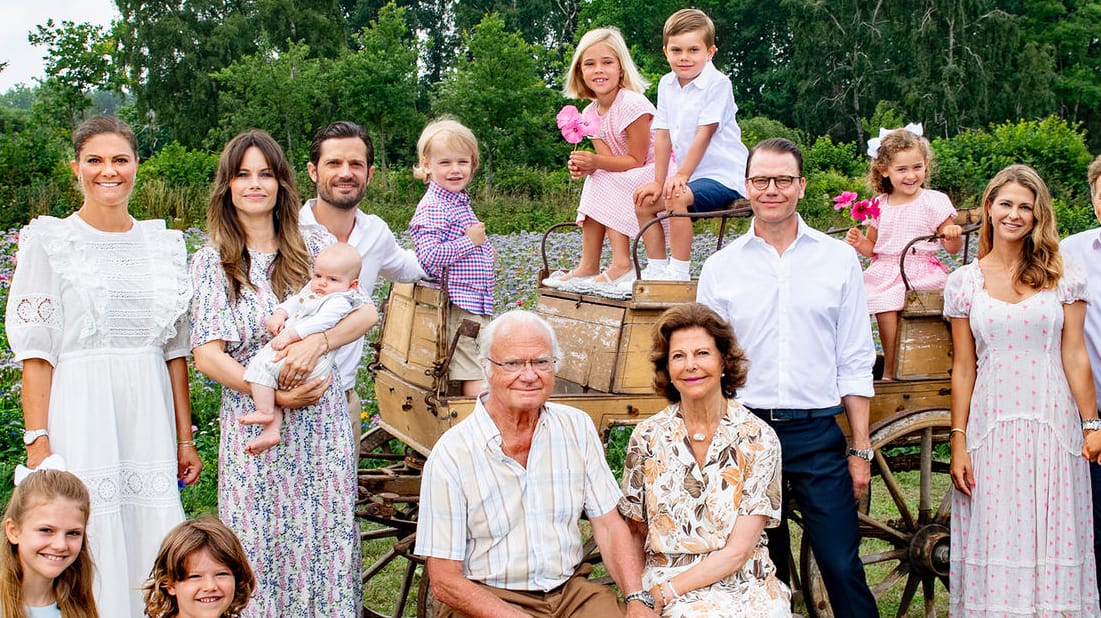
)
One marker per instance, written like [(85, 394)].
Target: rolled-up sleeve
[(855, 349)]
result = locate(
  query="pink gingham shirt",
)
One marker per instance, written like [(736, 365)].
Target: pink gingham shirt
[(514, 527), (438, 230)]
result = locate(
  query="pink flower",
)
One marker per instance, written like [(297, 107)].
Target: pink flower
[(844, 200), (576, 126), (866, 210)]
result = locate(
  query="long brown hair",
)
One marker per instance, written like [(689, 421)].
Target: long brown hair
[(291, 268), (170, 567), (1041, 264), (73, 587)]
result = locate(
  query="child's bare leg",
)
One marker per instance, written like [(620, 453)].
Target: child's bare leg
[(888, 333), (680, 228), (654, 237), (592, 242), (473, 388), (268, 437), (621, 254), (267, 414)]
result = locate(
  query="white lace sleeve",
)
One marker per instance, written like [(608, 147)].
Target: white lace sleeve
[(34, 314)]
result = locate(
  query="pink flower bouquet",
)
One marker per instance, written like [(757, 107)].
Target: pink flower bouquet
[(576, 126), (862, 211)]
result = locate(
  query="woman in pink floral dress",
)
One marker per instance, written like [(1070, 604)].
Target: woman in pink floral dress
[(701, 480), (292, 505), (1022, 397)]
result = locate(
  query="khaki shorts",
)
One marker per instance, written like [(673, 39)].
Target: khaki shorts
[(577, 598), (464, 363)]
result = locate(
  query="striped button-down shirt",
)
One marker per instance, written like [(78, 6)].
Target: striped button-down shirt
[(439, 236), (512, 527)]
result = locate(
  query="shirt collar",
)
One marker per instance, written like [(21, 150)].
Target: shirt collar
[(442, 194), (704, 79)]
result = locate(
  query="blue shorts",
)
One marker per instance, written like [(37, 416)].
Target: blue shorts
[(708, 195)]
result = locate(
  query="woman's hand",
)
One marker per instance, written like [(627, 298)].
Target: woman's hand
[(301, 357), (188, 463), (963, 476), (1091, 446), (303, 395)]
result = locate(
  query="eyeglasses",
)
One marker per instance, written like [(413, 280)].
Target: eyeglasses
[(760, 183), (540, 365)]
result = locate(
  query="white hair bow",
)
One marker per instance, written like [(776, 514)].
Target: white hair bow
[(873, 144), (53, 462)]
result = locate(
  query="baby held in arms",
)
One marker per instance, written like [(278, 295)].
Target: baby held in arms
[(331, 294)]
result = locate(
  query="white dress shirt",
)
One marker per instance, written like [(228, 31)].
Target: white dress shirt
[(1084, 250), (708, 99), (514, 527), (382, 255), (801, 318)]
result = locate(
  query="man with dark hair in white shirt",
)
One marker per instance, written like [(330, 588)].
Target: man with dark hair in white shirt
[(341, 157), (796, 300)]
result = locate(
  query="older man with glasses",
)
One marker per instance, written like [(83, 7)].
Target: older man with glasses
[(796, 300), (503, 490)]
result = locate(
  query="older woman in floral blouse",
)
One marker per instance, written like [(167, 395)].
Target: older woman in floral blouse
[(702, 478)]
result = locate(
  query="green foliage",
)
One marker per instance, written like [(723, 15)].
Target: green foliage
[(886, 116), (1073, 218), (825, 155), (177, 165), (757, 128), (1055, 148), (79, 58), (822, 186), (495, 91), (288, 94), (378, 83)]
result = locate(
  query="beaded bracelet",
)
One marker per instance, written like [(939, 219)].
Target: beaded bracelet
[(326, 337), (1091, 424)]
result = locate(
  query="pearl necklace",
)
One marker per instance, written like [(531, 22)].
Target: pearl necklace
[(699, 437)]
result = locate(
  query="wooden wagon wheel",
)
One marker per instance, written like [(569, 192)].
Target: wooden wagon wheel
[(905, 537), (387, 508)]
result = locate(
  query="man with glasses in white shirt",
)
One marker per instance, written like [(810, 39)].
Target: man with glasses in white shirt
[(502, 492), (796, 300)]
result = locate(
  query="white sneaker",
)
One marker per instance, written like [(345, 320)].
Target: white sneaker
[(653, 272), (561, 278)]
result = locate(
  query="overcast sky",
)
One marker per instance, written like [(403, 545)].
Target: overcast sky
[(19, 17)]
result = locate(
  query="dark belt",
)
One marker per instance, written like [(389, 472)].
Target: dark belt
[(789, 414)]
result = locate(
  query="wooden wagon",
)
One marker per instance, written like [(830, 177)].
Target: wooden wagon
[(604, 371)]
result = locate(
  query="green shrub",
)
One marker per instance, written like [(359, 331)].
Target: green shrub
[(758, 128), (1056, 149), (825, 155), (177, 165), (1073, 218)]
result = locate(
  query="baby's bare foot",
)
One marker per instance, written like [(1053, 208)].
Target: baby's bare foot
[(261, 443), (256, 418)]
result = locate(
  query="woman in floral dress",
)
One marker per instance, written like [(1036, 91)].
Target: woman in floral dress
[(97, 315), (292, 505), (702, 479), (1022, 396)]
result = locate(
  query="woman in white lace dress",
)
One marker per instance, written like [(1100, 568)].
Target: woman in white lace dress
[(97, 314)]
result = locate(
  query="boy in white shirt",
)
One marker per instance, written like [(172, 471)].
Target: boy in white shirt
[(695, 121)]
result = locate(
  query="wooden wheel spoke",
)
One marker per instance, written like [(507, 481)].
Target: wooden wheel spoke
[(925, 499), (406, 586), (380, 564), (944, 511), (884, 556), (381, 533), (907, 596), (892, 577), (927, 583), (893, 488), (878, 525)]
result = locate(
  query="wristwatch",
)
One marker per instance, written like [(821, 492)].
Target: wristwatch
[(866, 454), (30, 435), (643, 595)]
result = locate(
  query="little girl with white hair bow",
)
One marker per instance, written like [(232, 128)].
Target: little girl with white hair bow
[(897, 171)]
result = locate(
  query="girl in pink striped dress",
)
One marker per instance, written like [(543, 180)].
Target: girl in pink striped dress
[(602, 71), (900, 160)]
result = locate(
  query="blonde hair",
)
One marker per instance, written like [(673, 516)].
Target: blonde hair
[(893, 143), (170, 567), (291, 269), (444, 132), (73, 587), (689, 20), (1041, 264), (629, 76), (347, 258)]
